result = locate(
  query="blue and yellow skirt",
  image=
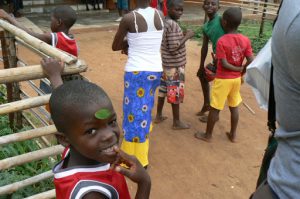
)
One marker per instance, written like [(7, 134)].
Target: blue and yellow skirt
[(138, 101)]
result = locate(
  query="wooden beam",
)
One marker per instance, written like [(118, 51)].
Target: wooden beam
[(26, 135), (24, 104), (38, 44), (8, 189), (43, 195), (31, 156), (36, 72)]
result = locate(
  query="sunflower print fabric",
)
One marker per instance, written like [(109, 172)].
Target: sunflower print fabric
[(138, 101)]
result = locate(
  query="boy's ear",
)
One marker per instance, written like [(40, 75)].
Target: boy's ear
[(62, 139)]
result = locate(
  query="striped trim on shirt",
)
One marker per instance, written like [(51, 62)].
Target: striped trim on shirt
[(172, 56)]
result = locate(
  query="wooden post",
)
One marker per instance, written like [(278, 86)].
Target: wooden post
[(261, 29), (13, 89)]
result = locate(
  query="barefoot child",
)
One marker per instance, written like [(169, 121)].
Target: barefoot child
[(174, 59), (212, 31), (232, 48), (84, 115), (62, 19)]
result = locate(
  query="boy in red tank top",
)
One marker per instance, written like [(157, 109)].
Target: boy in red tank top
[(62, 19), (84, 115)]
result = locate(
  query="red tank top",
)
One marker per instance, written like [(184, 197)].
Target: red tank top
[(63, 42), (75, 182)]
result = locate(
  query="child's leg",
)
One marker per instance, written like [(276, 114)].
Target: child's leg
[(160, 104), (234, 122), (162, 92), (205, 91), (234, 99), (177, 124), (219, 92), (213, 117)]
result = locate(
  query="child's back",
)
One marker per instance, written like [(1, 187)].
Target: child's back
[(234, 48)]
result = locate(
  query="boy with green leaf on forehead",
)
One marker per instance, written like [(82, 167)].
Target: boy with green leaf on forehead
[(84, 115)]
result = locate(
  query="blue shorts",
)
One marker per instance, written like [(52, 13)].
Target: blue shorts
[(123, 4)]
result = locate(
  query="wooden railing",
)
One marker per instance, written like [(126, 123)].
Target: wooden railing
[(11, 75)]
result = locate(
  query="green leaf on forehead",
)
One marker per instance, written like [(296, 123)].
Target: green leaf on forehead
[(103, 114)]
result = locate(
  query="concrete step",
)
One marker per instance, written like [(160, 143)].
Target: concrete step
[(46, 6)]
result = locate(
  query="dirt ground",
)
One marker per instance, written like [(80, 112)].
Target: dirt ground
[(180, 165)]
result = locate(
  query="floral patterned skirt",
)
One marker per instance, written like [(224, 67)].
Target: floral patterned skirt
[(138, 101)]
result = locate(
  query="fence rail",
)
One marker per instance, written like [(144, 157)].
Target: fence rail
[(19, 100)]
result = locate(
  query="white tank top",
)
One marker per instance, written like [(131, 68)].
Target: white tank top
[(144, 47)]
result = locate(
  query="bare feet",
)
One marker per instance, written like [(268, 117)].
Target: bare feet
[(159, 119), (203, 118), (202, 136), (230, 137), (204, 109), (180, 126)]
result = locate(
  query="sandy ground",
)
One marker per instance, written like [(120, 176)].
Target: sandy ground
[(180, 165)]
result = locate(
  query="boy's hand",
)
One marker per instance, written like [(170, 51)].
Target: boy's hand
[(135, 170), (3, 14), (189, 34), (51, 67), (53, 70)]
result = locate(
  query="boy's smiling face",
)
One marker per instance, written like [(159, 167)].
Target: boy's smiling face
[(94, 138), (211, 6)]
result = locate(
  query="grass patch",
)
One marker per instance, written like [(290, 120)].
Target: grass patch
[(248, 28), (24, 171)]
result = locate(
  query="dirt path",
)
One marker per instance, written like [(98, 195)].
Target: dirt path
[(180, 165)]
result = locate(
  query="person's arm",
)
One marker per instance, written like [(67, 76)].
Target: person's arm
[(204, 50), (229, 66), (53, 70), (173, 47), (249, 60), (46, 37), (135, 172), (120, 43)]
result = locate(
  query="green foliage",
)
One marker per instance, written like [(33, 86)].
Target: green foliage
[(248, 28), (24, 171)]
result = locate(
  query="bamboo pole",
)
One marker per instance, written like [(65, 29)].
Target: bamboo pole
[(44, 195), (36, 72), (31, 156), (23, 43), (24, 104), (26, 135), (38, 44), (7, 189)]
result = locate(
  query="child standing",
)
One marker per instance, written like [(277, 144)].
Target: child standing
[(84, 115), (212, 31), (174, 59), (231, 50), (62, 19)]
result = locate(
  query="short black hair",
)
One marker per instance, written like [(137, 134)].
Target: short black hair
[(233, 17), (172, 3), (75, 94), (216, 1), (66, 14)]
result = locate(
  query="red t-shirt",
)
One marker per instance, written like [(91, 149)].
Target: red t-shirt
[(234, 48), (154, 4), (63, 42)]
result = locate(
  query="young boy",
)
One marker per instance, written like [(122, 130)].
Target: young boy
[(212, 31), (174, 59), (232, 48), (62, 19), (84, 115)]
